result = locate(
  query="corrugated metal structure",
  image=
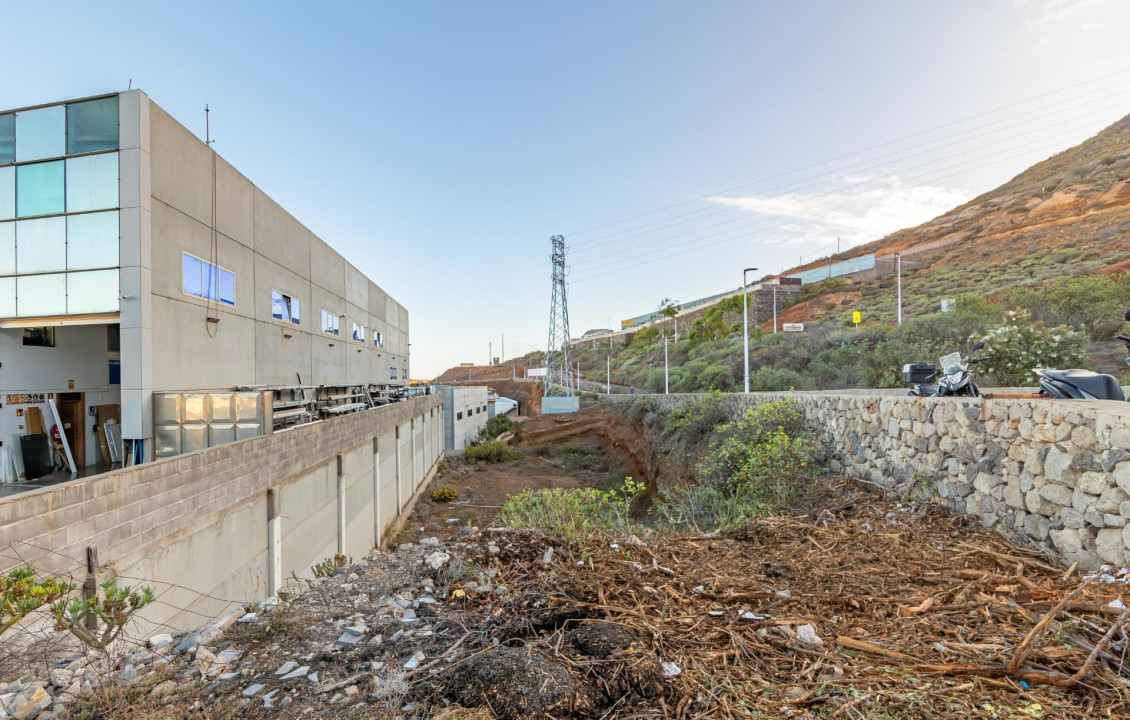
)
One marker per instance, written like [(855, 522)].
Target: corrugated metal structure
[(185, 422)]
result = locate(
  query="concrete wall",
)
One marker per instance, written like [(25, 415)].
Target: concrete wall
[(465, 414), (231, 522), (1047, 471), (80, 356)]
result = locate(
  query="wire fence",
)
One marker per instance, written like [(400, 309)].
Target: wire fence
[(37, 643)]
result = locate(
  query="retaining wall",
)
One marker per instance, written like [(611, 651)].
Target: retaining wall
[(233, 522), (1049, 471)]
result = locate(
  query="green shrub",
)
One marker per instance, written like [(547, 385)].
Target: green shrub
[(574, 514), (580, 456), (1020, 346), (695, 421), (21, 592), (492, 451), (638, 409), (772, 379), (1095, 303), (113, 609), (444, 495), (704, 506), (496, 426)]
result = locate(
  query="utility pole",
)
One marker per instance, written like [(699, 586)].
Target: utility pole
[(503, 347), (775, 306), (490, 352), (666, 381), (608, 377), (745, 322), (898, 276)]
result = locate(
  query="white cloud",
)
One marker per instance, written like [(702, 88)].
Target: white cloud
[(1052, 11), (812, 220)]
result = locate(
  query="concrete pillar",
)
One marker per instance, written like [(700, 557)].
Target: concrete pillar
[(135, 262), (274, 543), (376, 492), (412, 454), (341, 505), (399, 499)]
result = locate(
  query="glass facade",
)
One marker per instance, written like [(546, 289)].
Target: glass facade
[(59, 229)]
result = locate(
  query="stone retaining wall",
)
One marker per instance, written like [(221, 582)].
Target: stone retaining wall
[(1050, 471)]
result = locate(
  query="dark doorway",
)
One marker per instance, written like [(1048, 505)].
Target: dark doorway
[(70, 412)]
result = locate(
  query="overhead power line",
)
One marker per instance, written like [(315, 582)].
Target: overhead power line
[(873, 183), (862, 166), (853, 153)]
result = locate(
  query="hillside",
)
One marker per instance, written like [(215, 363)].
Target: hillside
[(1051, 230)]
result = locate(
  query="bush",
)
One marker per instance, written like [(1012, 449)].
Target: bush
[(705, 506), (444, 495), (1021, 345), (759, 454), (1094, 303), (695, 421), (21, 592), (579, 456), (771, 379), (574, 514), (492, 451), (496, 426)]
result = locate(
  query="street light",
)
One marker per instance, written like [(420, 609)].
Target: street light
[(775, 304), (745, 324), (898, 276)]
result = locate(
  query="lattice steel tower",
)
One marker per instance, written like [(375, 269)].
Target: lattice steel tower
[(558, 379)]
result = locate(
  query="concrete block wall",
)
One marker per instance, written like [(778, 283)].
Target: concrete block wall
[(1052, 472), (231, 522)]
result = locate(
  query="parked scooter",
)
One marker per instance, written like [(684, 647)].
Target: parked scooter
[(1082, 384), (956, 378)]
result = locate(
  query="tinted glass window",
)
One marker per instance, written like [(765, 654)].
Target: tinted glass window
[(92, 241), (92, 183), (41, 134), (211, 281), (40, 189), (7, 139), (92, 292), (7, 193), (92, 126), (41, 295), (190, 275), (7, 248), (41, 245)]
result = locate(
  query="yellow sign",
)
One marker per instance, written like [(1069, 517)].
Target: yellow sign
[(856, 317)]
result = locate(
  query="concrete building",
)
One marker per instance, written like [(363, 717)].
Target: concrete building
[(464, 415), (134, 259)]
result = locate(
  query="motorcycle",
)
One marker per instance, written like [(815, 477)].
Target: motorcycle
[(1078, 384), (956, 376)]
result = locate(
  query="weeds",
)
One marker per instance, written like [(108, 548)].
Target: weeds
[(492, 451), (575, 514), (496, 426), (444, 495), (114, 609), (327, 567), (579, 456)]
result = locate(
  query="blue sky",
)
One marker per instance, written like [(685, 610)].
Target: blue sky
[(438, 145)]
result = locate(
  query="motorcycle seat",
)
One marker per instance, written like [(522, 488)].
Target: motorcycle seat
[(1104, 387)]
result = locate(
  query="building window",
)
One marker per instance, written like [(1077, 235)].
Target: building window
[(92, 126), (7, 193), (115, 372), (39, 336), (114, 338), (41, 133), (378, 339), (284, 307), (41, 245), (359, 332), (458, 416), (92, 292), (202, 279), (92, 183), (7, 139), (330, 323), (92, 241), (40, 189), (392, 373)]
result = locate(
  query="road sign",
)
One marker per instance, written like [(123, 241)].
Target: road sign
[(793, 327), (856, 317)]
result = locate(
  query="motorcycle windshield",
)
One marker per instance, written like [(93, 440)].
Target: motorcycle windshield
[(950, 363)]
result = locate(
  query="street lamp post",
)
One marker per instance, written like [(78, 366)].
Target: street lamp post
[(745, 323), (898, 281)]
